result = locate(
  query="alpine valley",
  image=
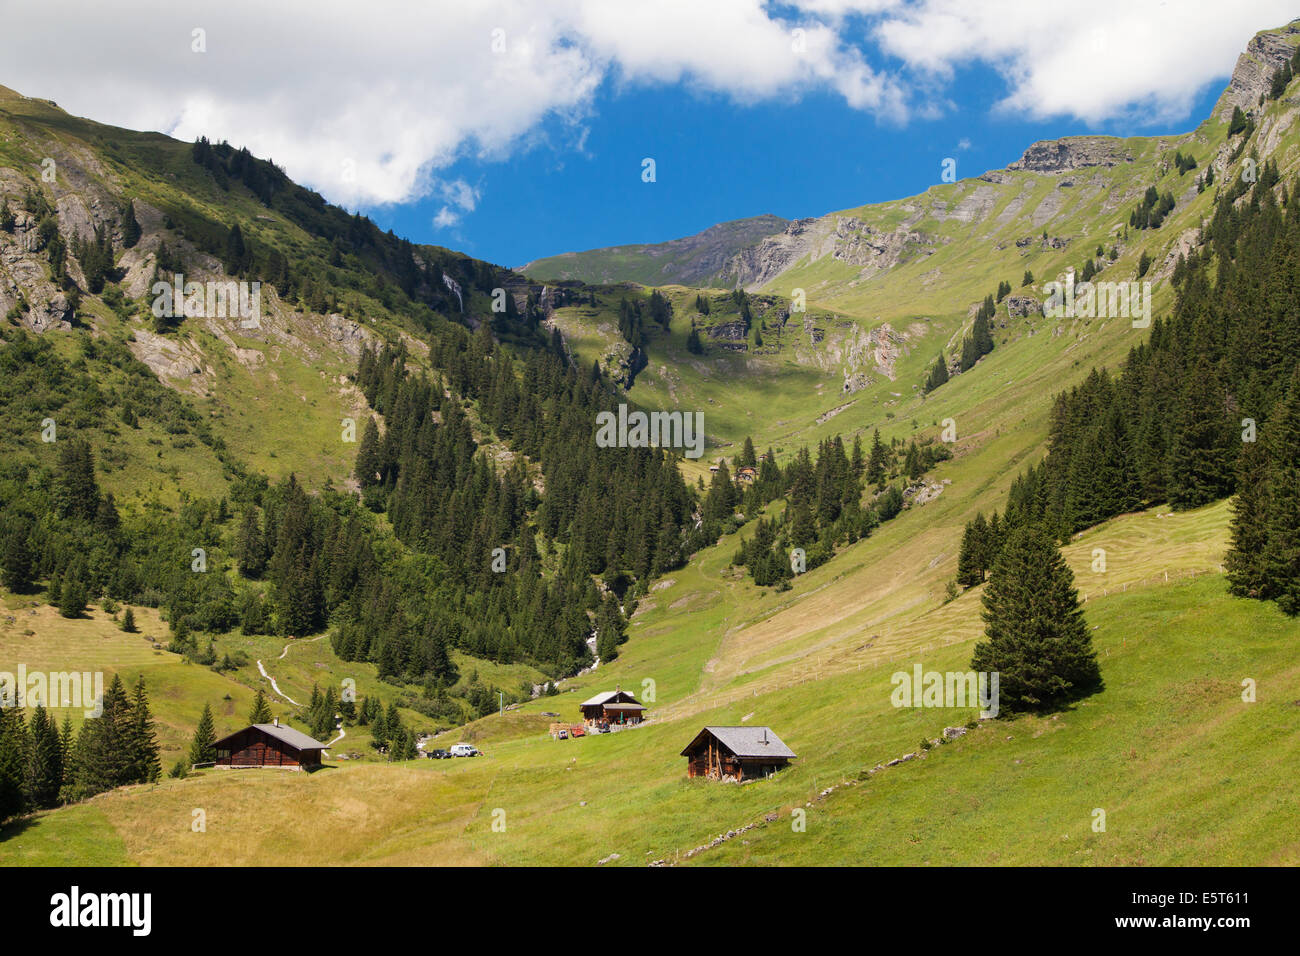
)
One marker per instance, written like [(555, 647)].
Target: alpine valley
[(351, 486)]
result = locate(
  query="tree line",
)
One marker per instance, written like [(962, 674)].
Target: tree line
[(43, 764), (1208, 407), (825, 503)]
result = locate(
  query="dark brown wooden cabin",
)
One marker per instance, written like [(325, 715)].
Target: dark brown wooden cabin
[(269, 745), (615, 707), (736, 753)]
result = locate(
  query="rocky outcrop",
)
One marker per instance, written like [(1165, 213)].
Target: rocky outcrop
[(1020, 306), (176, 362), (845, 238), (1253, 74), (733, 331), (767, 259), (1071, 153), (860, 244)]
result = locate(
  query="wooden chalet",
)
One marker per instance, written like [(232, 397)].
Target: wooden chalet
[(747, 474), (612, 707), (269, 745), (736, 753)]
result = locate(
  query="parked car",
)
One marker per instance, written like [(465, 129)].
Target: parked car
[(439, 754), (464, 750)]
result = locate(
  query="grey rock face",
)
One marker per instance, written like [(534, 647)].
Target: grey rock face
[(1253, 74), (1073, 152)]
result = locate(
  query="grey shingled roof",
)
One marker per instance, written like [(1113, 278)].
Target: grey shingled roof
[(294, 738), (749, 741)]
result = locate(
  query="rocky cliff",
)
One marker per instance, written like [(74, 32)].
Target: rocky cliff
[(1253, 75), (1071, 153)]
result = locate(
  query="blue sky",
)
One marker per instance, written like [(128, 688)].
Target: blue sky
[(514, 129), (716, 160)]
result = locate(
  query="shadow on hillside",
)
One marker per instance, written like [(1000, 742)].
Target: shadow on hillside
[(16, 827)]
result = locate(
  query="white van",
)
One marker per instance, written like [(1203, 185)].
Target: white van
[(464, 750)]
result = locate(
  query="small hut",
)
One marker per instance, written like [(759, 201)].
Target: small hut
[(269, 745), (736, 753), (615, 707)]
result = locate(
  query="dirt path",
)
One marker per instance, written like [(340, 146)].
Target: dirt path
[(276, 687)]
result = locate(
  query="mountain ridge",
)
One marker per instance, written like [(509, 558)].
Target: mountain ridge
[(758, 264), (690, 260)]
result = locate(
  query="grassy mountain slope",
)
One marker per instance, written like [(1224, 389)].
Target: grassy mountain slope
[(187, 411), (1172, 709), (275, 394)]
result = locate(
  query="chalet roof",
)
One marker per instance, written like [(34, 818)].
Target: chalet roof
[(607, 697), (745, 741), (294, 738)]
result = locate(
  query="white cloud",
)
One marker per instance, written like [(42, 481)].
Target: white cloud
[(459, 198), (369, 102), (366, 102), (1142, 60)]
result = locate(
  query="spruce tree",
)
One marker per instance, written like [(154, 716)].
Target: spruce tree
[(1282, 550), (261, 710), (1037, 639), (45, 762), (140, 740), (969, 354), (1201, 450), (128, 621), (877, 461), (13, 763), (981, 333), (609, 629), (130, 226), (202, 748), (938, 374), (17, 563), (72, 595), (1246, 560), (974, 548), (369, 459), (250, 546), (102, 757)]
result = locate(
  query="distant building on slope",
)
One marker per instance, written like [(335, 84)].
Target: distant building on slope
[(269, 745), (616, 707), (736, 753)]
